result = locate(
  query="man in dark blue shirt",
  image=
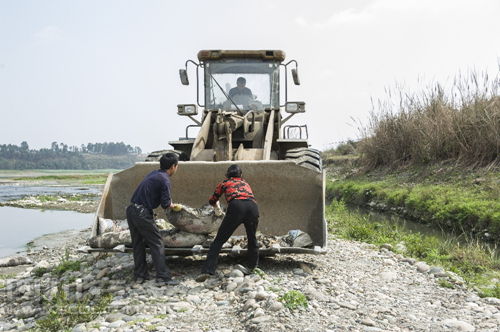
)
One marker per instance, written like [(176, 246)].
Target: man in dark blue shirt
[(152, 192)]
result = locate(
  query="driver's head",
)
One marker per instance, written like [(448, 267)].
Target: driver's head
[(240, 82)]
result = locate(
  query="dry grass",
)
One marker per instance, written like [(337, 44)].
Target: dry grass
[(461, 125)]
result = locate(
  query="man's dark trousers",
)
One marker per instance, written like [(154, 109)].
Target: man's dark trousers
[(239, 211), (144, 231)]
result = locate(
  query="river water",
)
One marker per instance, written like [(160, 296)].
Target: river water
[(19, 226), (426, 229), (17, 191)]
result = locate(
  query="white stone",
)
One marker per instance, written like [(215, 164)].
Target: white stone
[(261, 319), (236, 274), (261, 295), (258, 312), (459, 325), (231, 286), (422, 267), (116, 324), (42, 264), (193, 299), (388, 275)]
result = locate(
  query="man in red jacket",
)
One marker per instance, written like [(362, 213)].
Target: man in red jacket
[(242, 208)]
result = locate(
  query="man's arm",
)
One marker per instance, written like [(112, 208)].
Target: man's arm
[(165, 200), (219, 190)]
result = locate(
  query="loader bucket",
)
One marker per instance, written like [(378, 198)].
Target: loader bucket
[(289, 196)]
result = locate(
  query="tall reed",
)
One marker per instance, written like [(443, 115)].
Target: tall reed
[(461, 124)]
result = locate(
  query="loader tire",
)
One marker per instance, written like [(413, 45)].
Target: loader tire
[(306, 157), (299, 152), (156, 155)]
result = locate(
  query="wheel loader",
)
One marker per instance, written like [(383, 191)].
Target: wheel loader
[(248, 128)]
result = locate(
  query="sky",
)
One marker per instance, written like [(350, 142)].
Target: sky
[(93, 71)]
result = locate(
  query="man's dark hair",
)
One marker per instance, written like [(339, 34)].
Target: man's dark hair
[(241, 80), (167, 160), (234, 171)]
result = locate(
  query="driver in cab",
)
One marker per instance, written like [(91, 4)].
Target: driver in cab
[(241, 92)]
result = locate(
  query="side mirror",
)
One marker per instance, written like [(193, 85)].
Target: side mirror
[(187, 109), (295, 107), (295, 75), (184, 76)]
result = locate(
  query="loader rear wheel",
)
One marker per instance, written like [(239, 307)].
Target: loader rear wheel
[(306, 157), (156, 155)]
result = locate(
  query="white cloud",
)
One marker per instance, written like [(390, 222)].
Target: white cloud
[(301, 21), (350, 16), (380, 10), (48, 35)]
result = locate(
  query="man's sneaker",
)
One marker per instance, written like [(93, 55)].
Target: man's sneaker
[(202, 277), (167, 282), (243, 269)]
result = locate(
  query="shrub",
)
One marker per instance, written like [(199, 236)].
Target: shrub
[(63, 314), (38, 272), (66, 265), (294, 299), (436, 125)]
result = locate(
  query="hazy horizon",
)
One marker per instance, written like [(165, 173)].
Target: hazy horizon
[(92, 71)]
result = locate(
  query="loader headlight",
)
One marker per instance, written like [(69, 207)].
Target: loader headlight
[(295, 107), (187, 109)]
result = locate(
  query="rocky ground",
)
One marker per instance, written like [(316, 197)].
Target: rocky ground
[(353, 287)]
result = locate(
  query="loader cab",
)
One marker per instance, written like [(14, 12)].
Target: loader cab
[(242, 97), (241, 85)]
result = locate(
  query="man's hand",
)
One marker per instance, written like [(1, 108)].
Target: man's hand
[(176, 207), (217, 210)]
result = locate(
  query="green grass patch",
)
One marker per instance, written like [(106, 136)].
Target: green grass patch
[(493, 291), (474, 262), (47, 198), (79, 178), (161, 316), (63, 314), (39, 272), (293, 300), (259, 272), (458, 201), (445, 283), (66, 265)]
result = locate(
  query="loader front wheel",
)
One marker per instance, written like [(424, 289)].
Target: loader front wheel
[(156, 155)]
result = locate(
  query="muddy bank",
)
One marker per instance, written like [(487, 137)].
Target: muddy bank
[(84, 203)]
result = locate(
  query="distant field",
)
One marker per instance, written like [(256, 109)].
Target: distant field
[(59, 176), (53, 172)]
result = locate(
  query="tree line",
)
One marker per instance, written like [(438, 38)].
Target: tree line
[(63, 156)]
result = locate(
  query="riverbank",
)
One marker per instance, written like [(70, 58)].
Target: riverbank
[(354, 286), (461, 202), (74, 190), (465, 201), (55, 177), (83, 203)]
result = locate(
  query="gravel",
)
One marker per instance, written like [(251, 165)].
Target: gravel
[(353, 287)]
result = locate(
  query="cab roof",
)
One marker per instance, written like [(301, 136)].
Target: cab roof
[(206, 55)]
